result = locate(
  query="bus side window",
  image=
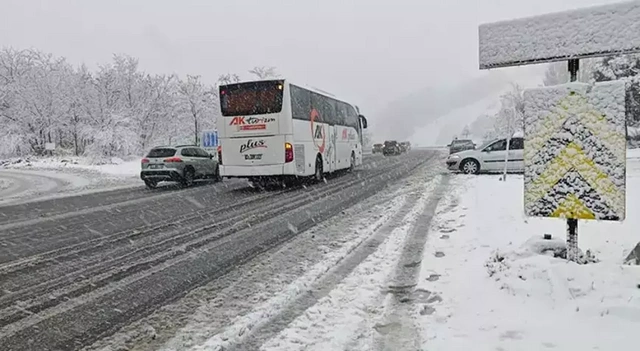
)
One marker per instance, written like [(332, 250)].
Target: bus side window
[(329, 111), (341, 113), (352, 118), (300, 103), (317, 103)]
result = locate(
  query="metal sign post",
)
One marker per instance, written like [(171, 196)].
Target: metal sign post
[(573, 251), (575, 134)]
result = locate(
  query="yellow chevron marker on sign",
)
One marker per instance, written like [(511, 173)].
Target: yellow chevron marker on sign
[(590, 119), (573, 207), (573, 158), (575, 151)]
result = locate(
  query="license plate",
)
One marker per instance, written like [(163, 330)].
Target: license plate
[(155, 166), (253, 157)]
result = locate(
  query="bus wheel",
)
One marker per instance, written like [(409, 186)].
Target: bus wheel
[(353, 162), (319, 174)]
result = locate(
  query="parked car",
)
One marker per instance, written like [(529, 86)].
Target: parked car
[(406, 145), (490, 157), (377, 148), (391, 147), (458, 145), (183, 164)]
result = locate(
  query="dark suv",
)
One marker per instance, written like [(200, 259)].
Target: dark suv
[(458, 145), (391, 147)]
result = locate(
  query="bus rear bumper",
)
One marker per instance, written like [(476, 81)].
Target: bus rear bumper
[(256, 171)]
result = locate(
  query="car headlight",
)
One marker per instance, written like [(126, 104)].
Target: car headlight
[(454, 157)]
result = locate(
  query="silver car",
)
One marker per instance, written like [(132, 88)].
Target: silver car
[(490, 157), (182, 164)]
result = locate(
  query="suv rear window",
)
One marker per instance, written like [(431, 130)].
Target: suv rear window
[(188, 152), (462, 142), (161, 152)]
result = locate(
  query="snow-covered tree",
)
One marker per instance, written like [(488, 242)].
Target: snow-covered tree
[(466, 133), (198, 104), (264, 72), (228, 78), (558, 72), (114, 110), (627, 69), (510, 117)]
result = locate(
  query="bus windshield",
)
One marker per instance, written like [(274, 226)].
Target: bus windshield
[(252, 98)]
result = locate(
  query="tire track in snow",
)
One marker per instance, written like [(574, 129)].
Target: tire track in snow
[(397, 329), (74, 205), (75, 278), (103, 309), (209, 309), (259, 334)]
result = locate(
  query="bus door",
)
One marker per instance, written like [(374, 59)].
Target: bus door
[(332, 148)]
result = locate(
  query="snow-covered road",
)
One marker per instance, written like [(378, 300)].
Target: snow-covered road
[(125, 254), (365, 262), (312, 288)]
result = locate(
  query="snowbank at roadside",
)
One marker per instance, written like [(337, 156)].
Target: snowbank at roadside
[(5, 184), (497, 290), (115, 167), (30, 179)]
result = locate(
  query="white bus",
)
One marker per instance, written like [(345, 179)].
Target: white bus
[(273, 130)]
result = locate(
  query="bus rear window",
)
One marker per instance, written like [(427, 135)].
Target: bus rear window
[(253, 98)]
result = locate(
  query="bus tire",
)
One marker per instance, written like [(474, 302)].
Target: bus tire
[(352, 166), (318, 176), (217, 177)]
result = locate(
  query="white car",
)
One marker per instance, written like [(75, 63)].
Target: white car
[(489, 157)]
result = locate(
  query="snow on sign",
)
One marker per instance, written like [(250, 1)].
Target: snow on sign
[(575, 151), (588, 32)]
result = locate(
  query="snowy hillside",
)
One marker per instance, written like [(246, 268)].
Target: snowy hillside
[(403, 116), (441, 129)]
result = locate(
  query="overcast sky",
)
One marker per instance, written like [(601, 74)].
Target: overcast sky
[(367, 51)]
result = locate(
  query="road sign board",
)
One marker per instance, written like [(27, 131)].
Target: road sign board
[(209, 139), (49, 146), (589, 32), (575, 151)]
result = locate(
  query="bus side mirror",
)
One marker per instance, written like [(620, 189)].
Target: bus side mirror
[(363, 121)]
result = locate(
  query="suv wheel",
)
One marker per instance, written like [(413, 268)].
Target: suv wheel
[(187, 178), (470, 167), (151, 184)]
